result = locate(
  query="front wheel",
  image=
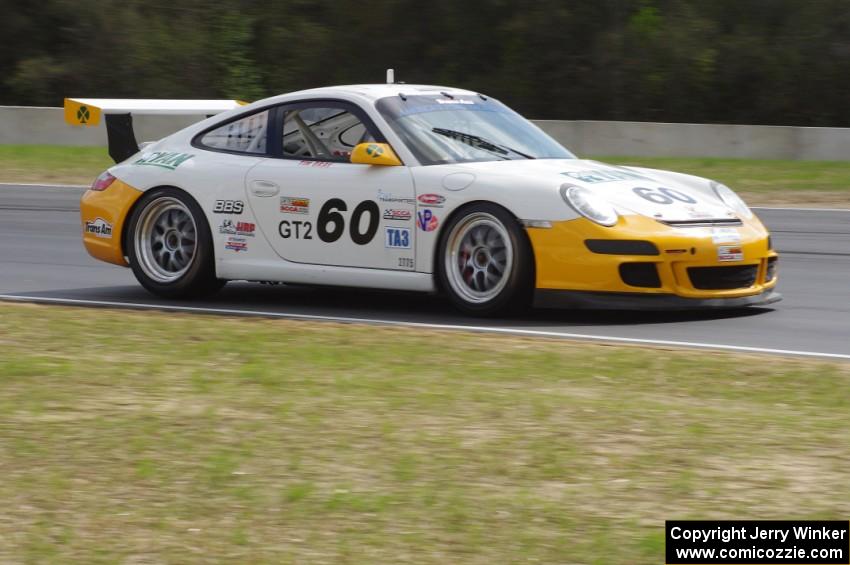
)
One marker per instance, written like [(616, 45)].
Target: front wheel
[(486, 265), (170, 246)]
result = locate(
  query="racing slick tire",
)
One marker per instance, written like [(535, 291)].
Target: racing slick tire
[(169, 246), (485, 262)]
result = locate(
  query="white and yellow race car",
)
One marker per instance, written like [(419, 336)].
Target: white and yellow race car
[(416, 188)]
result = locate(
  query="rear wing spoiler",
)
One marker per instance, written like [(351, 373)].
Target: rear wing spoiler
[(118, 115)]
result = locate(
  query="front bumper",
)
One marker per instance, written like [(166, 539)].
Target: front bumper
[(582, 264), (571, 299)]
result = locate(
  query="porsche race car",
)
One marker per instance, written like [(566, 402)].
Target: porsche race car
[(416, 188)]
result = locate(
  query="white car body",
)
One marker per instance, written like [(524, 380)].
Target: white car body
[(273, 236)]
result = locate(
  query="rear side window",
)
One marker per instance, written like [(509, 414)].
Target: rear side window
[(246, 135)]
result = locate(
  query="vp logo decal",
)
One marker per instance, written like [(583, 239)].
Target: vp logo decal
[(426, 220)]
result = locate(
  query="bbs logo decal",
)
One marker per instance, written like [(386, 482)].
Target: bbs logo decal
[(100, 228), (397, 238), (228, 207)]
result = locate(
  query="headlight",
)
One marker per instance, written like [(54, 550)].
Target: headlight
[(728, 196), (589, 204)]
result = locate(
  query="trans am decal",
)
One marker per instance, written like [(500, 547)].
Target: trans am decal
[(100, 228)]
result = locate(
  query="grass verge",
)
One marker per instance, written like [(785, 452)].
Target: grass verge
[(131, 437), (761, 182), (52, 164)]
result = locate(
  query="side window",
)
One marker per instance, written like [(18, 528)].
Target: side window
[(324, 133), (247, 135)]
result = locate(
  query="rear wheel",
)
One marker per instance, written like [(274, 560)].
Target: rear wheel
[(170, 246), (486, 265)]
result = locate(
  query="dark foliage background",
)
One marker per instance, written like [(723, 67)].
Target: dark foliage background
[(732, 61)]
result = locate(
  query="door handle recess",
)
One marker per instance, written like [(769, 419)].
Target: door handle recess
[(264, 188)]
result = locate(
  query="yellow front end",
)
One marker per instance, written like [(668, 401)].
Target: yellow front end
[(103, 214), (691, 264)]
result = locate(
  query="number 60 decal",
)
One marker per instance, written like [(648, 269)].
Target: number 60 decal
[(663, 195), (331, 224)]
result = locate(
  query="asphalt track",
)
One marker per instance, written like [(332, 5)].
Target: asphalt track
[(42, 260)]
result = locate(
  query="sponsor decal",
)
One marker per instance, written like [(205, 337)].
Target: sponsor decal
[(397, 238), (426, 220), (402, 215), (597, 175), (676, 251), (374, 150), (236, 244), (434, 200), (165, 159), (317, 164), (388, 197), (725, 235), (727, 253), (455, 101), (406, 262), (228, 207), (294, 205), (100, 228), (83, 115), (230, 227)]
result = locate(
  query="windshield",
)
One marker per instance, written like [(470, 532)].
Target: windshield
[(442, 129)]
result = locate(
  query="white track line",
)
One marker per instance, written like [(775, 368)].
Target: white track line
[(41, 184), (424, 325), (801, 209)]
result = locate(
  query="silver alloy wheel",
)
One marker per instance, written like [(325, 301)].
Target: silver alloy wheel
[(165, 239), (479, 257)]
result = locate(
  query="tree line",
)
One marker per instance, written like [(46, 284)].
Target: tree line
[(714, 61)]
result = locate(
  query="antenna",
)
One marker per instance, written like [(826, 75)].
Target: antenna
[(390, 76)]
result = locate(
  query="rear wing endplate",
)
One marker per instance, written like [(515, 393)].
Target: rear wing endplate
[(118, 115)]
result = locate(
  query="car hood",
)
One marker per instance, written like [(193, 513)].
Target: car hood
[(662, 195)]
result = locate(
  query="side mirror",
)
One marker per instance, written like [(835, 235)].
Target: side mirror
[(375, 154)]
